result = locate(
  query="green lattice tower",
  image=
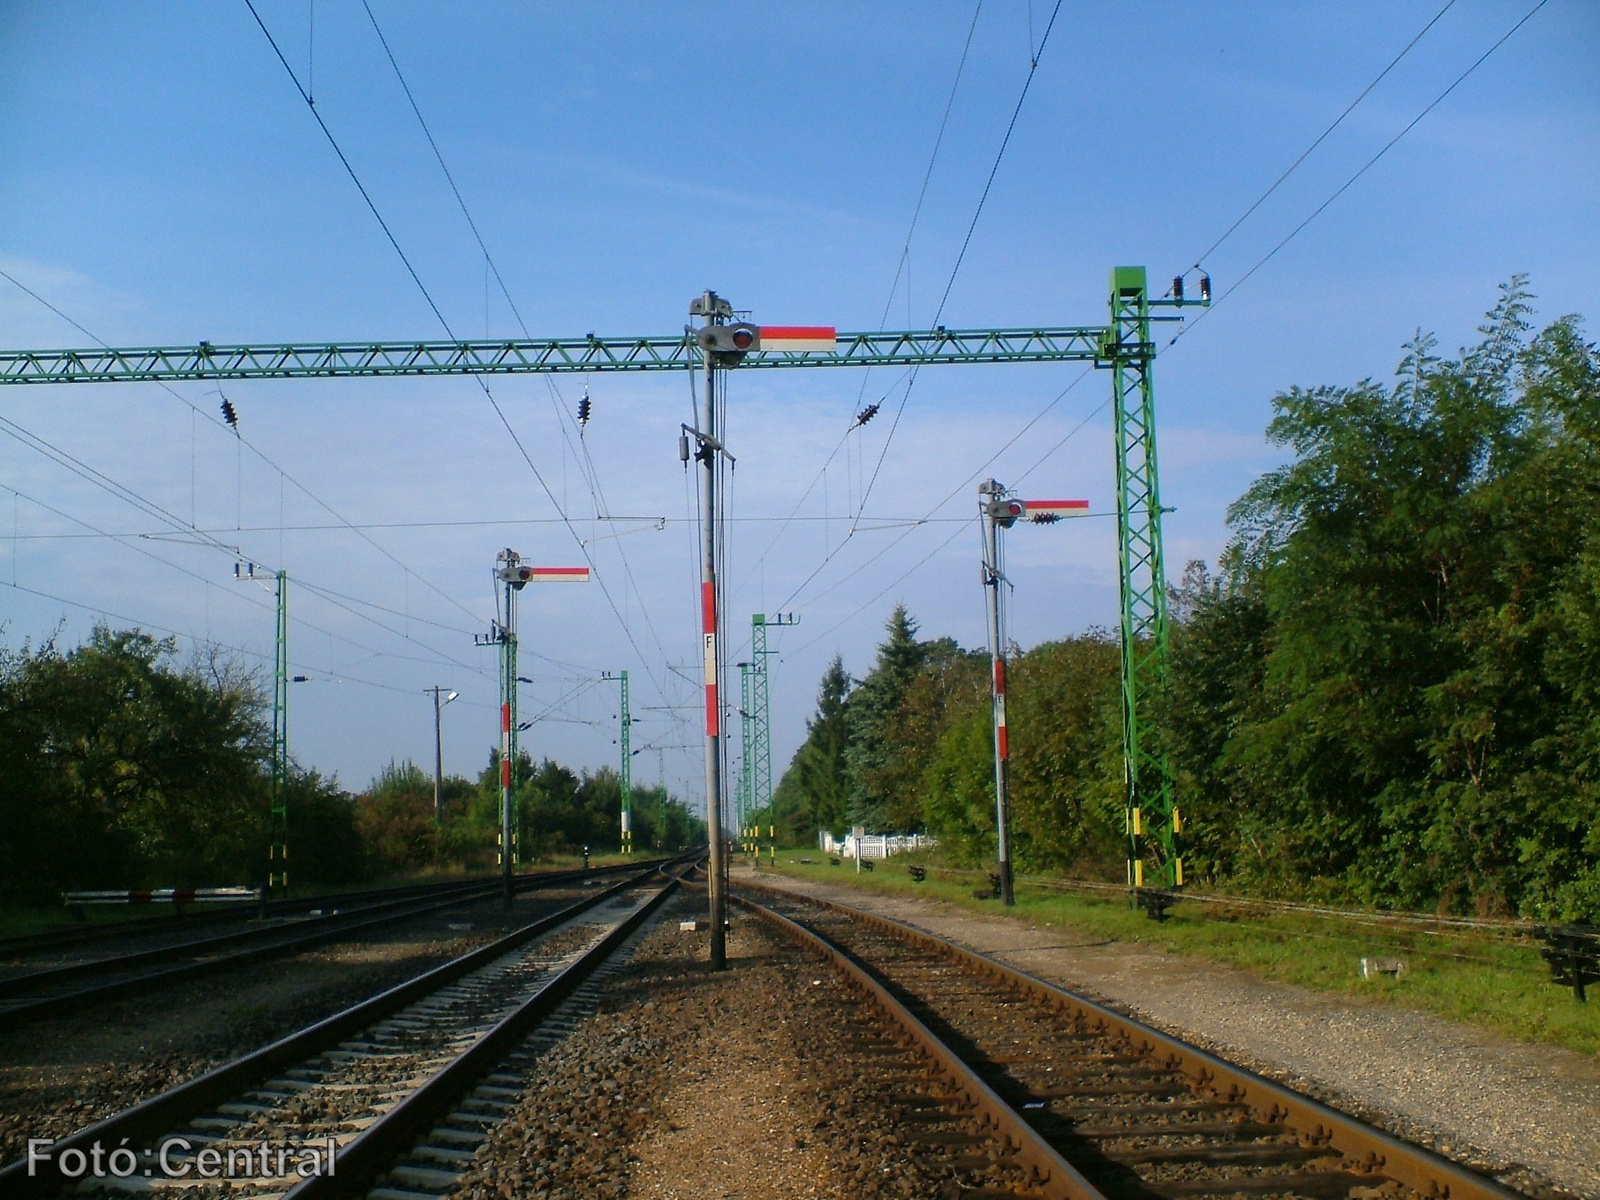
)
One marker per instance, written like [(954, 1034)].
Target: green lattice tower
[(278, 822), (743, 794), (1152, 819), (760, 748)]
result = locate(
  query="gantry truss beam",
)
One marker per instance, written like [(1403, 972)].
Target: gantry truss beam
[(514, 357), (1124, 346)]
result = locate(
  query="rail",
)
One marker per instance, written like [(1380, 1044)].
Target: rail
[(1373, 1157)]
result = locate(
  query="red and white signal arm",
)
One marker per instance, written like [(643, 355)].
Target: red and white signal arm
[(1044, 511), (521, 575), (824, 338)]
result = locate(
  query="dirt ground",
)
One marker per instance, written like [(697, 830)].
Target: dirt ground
[(1491, 1103)]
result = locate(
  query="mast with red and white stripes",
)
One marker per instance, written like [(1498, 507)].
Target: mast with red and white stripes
[(515, 574), (724, 343), (1001, 511)]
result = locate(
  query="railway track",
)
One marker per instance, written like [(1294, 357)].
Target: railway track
[(54, 990), (184, 922), (1088, 1104), (404, 1084)]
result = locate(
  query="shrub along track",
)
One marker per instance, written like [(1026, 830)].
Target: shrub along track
[(1096, 1104)]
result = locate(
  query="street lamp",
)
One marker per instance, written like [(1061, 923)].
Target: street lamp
[(441, 697)]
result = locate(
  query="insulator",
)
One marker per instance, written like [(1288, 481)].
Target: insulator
[(1177, 288), (866, 414), (583, 411), (1205, 289), (683, 447), (229, 414)]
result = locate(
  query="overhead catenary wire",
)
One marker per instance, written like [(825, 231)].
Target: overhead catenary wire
[(246, 443), (911, 376), (1320, 138), (920, 563), (122, 492), (591, 478), (450, 333), (1359, 172), (966, 242), (929, 517), (195, 640), (902, 267)]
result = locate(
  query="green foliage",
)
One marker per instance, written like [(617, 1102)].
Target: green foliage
[(1404, 655), (118, 769), (814, 792), (121, 768), (874, 706), (1388, 694)]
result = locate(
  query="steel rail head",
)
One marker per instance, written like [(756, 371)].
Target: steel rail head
[(161, 1113), (1051, 1175), (1426, 1173), (329, 928), (366, 1157)]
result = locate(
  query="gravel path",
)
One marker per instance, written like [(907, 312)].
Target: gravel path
[(1528, 1114)]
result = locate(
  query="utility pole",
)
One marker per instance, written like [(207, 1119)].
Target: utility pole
[(278, 844), (625, 771), (278, 813), (1000, 511), (758, 703), (744, 794), (716, 311), (441, 697), (1151, 810), (1124, 346), (515, 574)]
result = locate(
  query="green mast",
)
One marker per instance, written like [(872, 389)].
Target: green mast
[(758, 750), (744, 794), (278, 823), (1153, 826)]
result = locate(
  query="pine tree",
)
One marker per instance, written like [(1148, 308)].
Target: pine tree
[(873, 706), (815, 789)]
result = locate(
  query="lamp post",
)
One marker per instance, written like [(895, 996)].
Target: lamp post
[(441, 697)]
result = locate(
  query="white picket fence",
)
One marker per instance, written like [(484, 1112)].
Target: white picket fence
[(871, 845)]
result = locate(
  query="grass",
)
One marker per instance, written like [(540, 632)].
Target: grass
[(1494, 981)]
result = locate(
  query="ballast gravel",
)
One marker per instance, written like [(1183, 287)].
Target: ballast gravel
[(688, 1083), (1528, 1115), (59, 1075)]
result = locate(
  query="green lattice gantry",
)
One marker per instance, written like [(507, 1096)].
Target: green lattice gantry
[(1123, 346)]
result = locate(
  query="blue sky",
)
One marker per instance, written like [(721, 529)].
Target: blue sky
[(164, 184)]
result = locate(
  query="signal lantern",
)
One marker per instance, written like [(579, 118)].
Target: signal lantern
[(735, 340)]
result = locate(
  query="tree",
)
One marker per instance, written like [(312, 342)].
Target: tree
[(873, 705), (120, 769), (1413, 726), (815, 790)]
